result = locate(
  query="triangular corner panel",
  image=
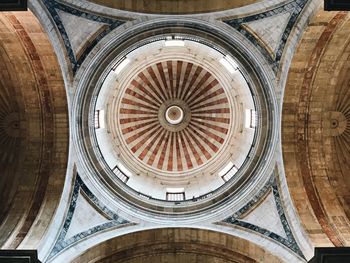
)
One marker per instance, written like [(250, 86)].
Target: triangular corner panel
[(86, 216), (80, 30), (269, 31), (265, 215)]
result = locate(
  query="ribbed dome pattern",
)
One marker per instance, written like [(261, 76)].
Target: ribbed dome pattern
[(342, 140), (189, 144), (9, 126)]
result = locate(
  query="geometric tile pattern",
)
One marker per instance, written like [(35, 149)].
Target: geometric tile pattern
[(80, 31), (191, 87)]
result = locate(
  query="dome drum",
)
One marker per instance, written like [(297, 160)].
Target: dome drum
[(208, 151)]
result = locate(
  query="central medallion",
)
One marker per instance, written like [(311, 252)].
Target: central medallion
[(174, 115)]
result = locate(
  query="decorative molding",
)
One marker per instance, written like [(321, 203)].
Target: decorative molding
[(236, 219), (55, 7), (13, 5), (113, 219), (293, 7)]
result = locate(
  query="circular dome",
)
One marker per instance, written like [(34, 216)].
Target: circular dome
[(173, 119)]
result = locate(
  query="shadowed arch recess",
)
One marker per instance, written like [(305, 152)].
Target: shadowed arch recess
[(316, 129), (176, 245), (174, 6), (33, 130)]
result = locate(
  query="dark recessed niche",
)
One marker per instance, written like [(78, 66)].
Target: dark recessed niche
[(331, 255), (19, 256), (13, 5), (337, 5)]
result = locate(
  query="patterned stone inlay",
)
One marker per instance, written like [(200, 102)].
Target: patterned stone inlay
[(181, 146), (55, 7), (236, 219), (114, 220), (294, 7)]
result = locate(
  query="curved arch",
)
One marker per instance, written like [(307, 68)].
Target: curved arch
[(33, 130), (174, 7), (176, 245), (316, 129)]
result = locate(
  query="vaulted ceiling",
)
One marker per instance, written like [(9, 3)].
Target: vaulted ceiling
[(33, 130), (316, 129), (48, 205), (174, 7), (175, 244)]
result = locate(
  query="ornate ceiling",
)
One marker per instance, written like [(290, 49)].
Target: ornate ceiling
[(193, 154), (183, 142), (118, 144)]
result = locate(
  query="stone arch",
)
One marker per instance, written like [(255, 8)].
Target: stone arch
[(176, 245), (33, 130), (174, 7), (315, 129)]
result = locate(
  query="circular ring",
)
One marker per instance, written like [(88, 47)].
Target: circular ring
[(255, 169), (174, 115)]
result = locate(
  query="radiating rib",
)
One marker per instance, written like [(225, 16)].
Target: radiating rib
[(156, 144), (150, 85), (185, 79), (142, 88), (133, 93), (148, 147), (156, 81), (141, 105)]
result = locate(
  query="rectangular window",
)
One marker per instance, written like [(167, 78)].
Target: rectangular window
[(97, 119), (250, 118), (175, 194), (124, 177), (229, 174)]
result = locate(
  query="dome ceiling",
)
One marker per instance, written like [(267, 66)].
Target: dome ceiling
[(174, 116), (173, 120), (169, 117)]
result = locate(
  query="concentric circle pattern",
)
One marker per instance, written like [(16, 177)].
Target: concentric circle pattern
[(183, 145)]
